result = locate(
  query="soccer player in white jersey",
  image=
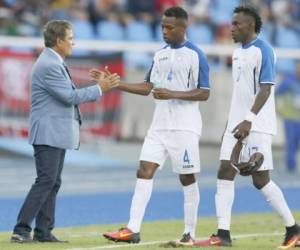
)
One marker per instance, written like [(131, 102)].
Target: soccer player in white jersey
[(251, 119), (178, 80)]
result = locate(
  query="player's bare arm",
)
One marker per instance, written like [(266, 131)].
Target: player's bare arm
[(261, 98), (193, 95), (143, 88), (242, 130), (106, 82)]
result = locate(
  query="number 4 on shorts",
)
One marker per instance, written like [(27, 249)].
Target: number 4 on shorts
[(186, 157)]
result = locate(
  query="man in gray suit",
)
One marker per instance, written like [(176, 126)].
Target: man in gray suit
[(54, 127)]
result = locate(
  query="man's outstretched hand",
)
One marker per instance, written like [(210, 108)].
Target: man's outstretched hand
[(105, 79)]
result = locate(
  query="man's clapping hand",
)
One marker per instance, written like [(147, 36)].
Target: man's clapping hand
[(105, 79)]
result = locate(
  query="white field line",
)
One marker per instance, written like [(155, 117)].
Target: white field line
[(148, 243)]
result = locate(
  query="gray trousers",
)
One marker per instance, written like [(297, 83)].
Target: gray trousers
[(41, 199)]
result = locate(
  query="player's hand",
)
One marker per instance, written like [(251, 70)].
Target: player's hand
[(105, 79), (162, 93), (109, 82), (242, 130), (97, 74)]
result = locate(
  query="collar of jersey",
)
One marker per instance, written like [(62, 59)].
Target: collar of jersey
[(178, 46), (248, 45)]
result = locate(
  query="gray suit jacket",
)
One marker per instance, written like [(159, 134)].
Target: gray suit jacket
[(53, 116)]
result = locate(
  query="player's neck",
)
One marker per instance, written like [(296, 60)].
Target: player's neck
[(178, 43), (249, 39)]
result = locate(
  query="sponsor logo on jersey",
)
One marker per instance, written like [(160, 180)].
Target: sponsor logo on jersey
[(163, 58)]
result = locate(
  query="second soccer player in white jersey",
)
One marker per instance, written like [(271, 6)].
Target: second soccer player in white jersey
[(251, 119), (178, 80)]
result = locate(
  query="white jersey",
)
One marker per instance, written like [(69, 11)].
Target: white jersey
[(180, 68), (253, 64)]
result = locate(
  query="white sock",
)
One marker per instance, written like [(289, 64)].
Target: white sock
[(191, 202), (140, 199), (224, 199), (277, 201)]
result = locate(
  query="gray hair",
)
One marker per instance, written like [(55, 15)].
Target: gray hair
[(55, 29)]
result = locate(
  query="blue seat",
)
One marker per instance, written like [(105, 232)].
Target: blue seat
[(82, 30), (158, 33), (266, 32), (200, 33), (110, 30), (285, 66), (265, 35), (286, 38), (138, 31), (221, 10)]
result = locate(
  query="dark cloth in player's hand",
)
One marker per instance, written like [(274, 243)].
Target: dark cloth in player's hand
[(245, 168), (254, 163)]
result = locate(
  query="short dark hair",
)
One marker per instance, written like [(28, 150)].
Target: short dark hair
[(55, 29), (250, 11), (176, 12)]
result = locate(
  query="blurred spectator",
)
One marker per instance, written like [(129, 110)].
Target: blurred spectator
[(3, 3), (59, 9), (138, 31), (143, 11), (286, 36), (100, 9), (199, 32), (7, 24), (221, 11), (288, 107), (210, 19), (162, 5), (27, 16), (294, 12), (105, 28), (137, 7), (280, 9), (267, 32), (198, 9), (82, 28)]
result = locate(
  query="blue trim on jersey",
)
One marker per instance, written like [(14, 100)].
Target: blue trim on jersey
[(267, 71), (147, 77), (248, 45), (203, 75), (178, 46)]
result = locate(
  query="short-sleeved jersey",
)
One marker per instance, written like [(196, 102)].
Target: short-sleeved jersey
[(253, 64), (179, 68)]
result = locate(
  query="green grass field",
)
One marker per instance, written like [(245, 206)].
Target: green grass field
[(249, 231)]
